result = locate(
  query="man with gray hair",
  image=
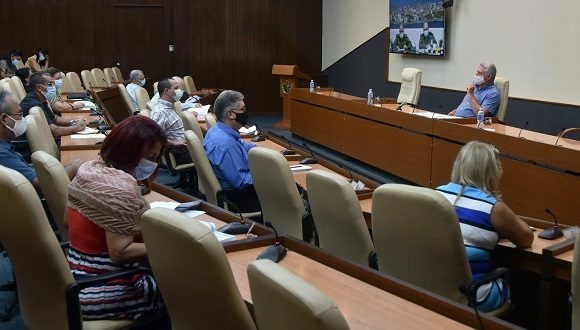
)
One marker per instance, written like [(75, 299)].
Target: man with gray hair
[(227, 153), (136, 81), (481, 94)]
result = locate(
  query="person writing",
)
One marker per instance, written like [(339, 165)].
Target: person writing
[(481, 94), (104, 209), (483, 216)]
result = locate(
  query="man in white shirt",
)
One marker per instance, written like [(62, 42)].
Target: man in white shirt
[(189, 102), (137, 80)]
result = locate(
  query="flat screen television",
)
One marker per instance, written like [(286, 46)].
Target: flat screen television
[(417, 27)]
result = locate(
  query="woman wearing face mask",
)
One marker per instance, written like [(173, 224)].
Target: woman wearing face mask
[(9, 63), (104, 209), (57, 104), (38, 62)]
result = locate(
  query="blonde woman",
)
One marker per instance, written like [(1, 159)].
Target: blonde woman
[(483, 216)]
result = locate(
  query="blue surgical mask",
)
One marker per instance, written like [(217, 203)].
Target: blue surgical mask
[(401, 34), (144, 169), (15, 62), (41, 57), (426, 33), (50, 93), (142, 82), (58, 84)]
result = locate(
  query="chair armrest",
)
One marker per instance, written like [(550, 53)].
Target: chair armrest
[(493, 275), (72, 292)]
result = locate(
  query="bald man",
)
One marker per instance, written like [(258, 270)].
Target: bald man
[(186, 101)]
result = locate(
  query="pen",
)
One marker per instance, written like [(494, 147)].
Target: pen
[(250, 230)]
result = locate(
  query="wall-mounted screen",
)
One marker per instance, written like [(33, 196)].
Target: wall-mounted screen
[(417, 27)]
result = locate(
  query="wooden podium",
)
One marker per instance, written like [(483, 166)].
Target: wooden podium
[(288, 76)]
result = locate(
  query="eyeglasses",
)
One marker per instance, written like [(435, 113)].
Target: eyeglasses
[(19, 114), (49, 84)]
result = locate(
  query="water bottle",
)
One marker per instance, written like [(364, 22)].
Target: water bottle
[(480, 118), (370, 96), (311, 86)]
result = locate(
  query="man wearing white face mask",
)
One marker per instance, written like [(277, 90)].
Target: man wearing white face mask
[(13, 125), (481, 94), (136, 81), (186, 101)]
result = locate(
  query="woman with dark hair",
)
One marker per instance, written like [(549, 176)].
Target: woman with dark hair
[(24, 74), (9, 63), (38, 62), (104, 209)]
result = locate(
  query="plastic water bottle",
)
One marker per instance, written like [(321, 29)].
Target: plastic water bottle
[(311, 86), (370, 96), (480, 118)]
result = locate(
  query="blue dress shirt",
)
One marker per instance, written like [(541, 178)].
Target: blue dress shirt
[(487, 97), (10, 158)]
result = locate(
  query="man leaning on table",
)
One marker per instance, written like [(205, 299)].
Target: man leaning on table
[(481, 94)]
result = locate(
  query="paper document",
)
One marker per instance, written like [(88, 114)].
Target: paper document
[(88, 136), (201, 111), (88, 130), (247, 130), (89, 105), (299, 168)]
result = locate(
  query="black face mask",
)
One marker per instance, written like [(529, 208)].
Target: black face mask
[(242, 118)]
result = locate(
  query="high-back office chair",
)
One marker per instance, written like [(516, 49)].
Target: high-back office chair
[(39, 135), (75, 82), (18, 86), (203, 297), (155, 87), (280, 199), (6, 85), (210, 120), (189, 85), (190, 123), (503, 86), (282, 300), (126, 99), (118, 75), (169, 157), (88, 79), (100, 78), (142, 97), (109, 76), (54, 182), (410, 86), (66, 85), (47, 299), (339, 220)]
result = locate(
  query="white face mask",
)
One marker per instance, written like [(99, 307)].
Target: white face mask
[(142, 82), (144, 169), (478, 80), (178, 94), (426, 33), (19, 127), (401, 34)]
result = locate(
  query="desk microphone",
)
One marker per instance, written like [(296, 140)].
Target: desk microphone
[(288, 151), (234, 228), (346, 169), (274, 252), (566, 131), (259, 137), (400, 107), (521, 129), (552, 232), (311, 159)]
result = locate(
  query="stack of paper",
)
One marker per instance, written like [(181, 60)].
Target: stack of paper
[(247, 130)]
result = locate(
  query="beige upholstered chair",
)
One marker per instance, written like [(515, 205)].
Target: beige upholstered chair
[(88, 79), (339, 220), (155, 87), (39, 135), (26, 235), (193, 272), (189, 85), (54, 182), (503, 86), (208, 182), (410, 86), (169, 157), (118, 75), (190, 123), (17, 84), (145, 112), (210, 120), (66, 85), (109, 76), (7, 85), (142, 97), (126, 98), (75, 82), (281, 202), (149, 106), (282, 300), (99, 76)]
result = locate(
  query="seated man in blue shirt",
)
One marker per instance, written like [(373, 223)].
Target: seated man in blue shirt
[(12, 125), (481, 94), (228, 154)]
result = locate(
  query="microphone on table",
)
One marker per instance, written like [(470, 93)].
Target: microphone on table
[(288, 151), (273, 252), (552, 232), (311, 159), (400, 107), (259, 137), (346, 169), (234, 228), (521, 129)]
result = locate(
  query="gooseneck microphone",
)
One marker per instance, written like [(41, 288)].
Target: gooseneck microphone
[(259, 137), (288, 151), (521, 129), (234, 228), (346, 169), (552, 232), (311, 159), (274, 252), (400, 107)]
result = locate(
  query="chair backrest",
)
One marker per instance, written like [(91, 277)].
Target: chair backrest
[(282, 300), (281, 202), (109, 76), (75, 82), (126, 98), (18, 86), (142, 97), (6, 85), (205, 174), (39, 264), (39, 135), (145, 112), (410, 86), (418, 239), (503, 86), (99, 76), (338, 217), (66, 85), (54, 182), (189, 85), (576, 286), (190, 123), (155, 87), (193, 272), (88, 79), (118, 75), (210, 120)]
